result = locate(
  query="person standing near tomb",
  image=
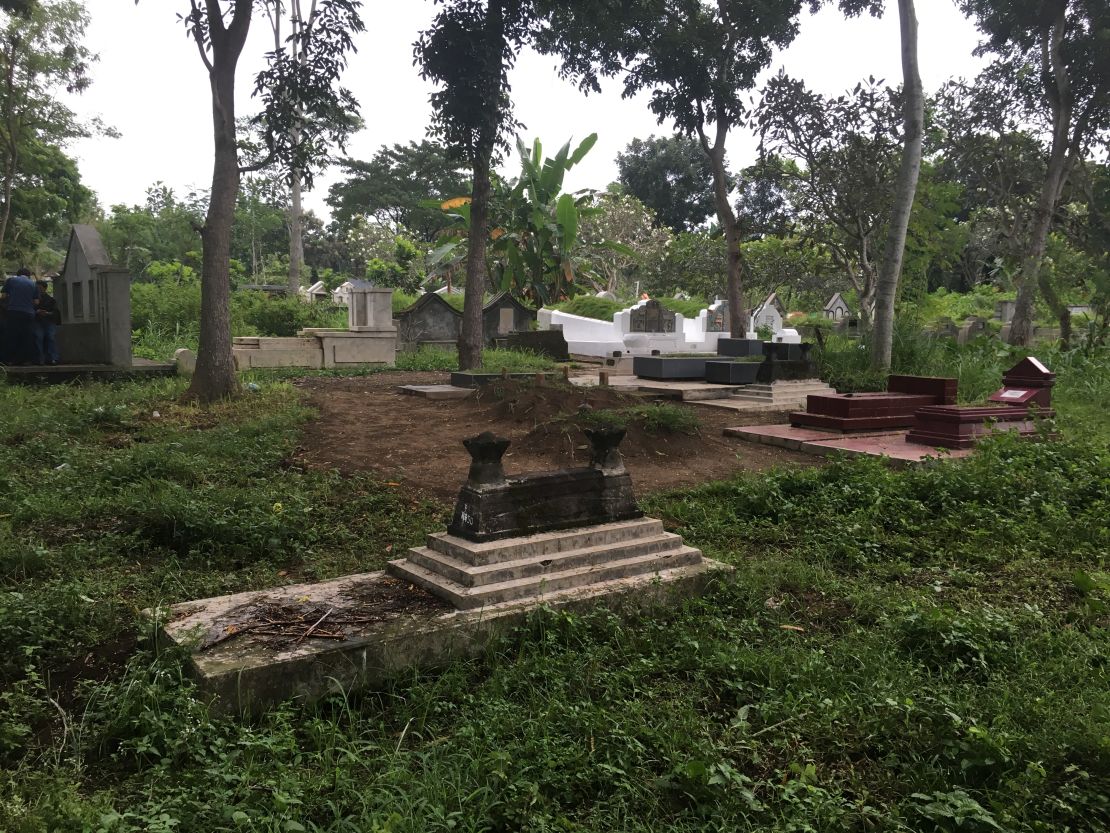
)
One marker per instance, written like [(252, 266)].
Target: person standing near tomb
[(21, 297), (47, 320)]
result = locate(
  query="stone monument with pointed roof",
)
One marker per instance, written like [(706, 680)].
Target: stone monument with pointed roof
[(94, 297)]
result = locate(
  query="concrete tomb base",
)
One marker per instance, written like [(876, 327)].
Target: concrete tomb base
[(951, 426), (780, 395), (472, 379), (731, 372), (463, 588), (889, 444), (1026, 395), (436, 392), (667, 368), (852, 412), (317, 348), (739, 347), (471, 575), (248, 651)]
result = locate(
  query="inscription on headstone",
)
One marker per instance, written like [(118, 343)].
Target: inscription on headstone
[(652, 317), (716, 320)]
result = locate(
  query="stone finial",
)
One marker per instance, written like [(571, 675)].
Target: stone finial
[(486, 451), (606, 453)]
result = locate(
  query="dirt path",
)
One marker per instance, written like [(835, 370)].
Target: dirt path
[(365, 424)]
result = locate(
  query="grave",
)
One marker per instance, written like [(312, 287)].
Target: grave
[(477, 379), (370, 338), (94, 297), (662, 368), (739, 347), (566, 540), (851, 412), (1024, 398), (786, 362), (735, 372), (837, 308), (548, 343), (504, 314), (645, 328), (769, 314), (534, 535), (970, 329), (429, 321)]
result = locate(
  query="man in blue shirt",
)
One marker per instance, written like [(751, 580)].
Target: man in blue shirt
[(20, 298)]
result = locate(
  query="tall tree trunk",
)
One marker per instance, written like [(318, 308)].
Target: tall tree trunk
[(1058, 92), (890, 273), (471, 338), (214, 377), (296, 235), (738, 320)]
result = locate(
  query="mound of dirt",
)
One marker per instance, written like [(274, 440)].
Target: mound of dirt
[(366, 424)]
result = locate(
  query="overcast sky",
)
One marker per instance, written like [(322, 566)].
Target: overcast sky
[(150, 85)]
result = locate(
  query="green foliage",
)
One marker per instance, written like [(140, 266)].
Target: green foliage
[(401, 185), (493, 361), (695, 262), (671, 176), (165, 316), (925, 625), (535, 245), (590, 306), (43, 60), (654, 418), (688, 307), (957, 306)]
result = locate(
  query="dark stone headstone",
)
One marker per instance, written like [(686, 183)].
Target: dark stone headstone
[(492, 506), (739, 347), (785, 362), (431, 319), (663, 368), (503, 315), (550, 343), (652, 317), (731, 373)]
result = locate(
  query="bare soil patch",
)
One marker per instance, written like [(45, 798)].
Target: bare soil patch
[(365, 424)]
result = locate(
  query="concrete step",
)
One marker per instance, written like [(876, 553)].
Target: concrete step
[(779, 393), (542, 586), (470, 575), (545, 543)]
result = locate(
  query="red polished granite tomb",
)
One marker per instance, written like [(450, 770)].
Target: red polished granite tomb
[(1026, 396), (889, 410)]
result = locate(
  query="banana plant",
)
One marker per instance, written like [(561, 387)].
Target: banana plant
[(535, 227), (535, 243)]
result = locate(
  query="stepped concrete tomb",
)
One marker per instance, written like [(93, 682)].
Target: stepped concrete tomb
[(568, 539)]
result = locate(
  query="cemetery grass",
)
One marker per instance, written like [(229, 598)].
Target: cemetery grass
[(902, 650)]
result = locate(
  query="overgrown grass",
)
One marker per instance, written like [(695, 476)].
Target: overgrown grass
[(493, 361), (916, 650), (654, 418), (1081, 394)]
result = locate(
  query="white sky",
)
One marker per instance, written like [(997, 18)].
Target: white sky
[(151, 86)]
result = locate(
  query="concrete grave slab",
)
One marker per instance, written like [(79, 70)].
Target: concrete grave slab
[(437, 392), (382, 627), (893, 446)]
